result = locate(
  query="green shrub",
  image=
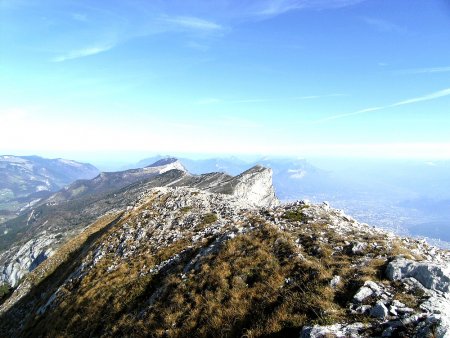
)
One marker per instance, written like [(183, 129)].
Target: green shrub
[(296, 216), (5, 290)]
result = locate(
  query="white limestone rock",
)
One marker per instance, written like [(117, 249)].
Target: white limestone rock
[(255, 187), (358, 248), (363, 293), (334, 283), (26, 259), (336, 330), (432, 276), (435, 280)]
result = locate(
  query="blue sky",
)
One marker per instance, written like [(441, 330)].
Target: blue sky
[(288, 77)]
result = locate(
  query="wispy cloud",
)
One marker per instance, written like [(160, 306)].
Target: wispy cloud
[(83, 52), (192, 23), (383, 25), (432, 96), (139, 19), (277, 7), (161, 25), (428, 97), (340, 116), (424, 70)]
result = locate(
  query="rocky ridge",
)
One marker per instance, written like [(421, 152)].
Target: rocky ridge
[(67, 212), (187, 261)]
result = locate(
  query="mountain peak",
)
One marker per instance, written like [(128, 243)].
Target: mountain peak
[(255, 169), (166, 164), (164, 161)]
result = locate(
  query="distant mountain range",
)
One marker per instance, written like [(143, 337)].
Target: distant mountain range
[(25, 180)]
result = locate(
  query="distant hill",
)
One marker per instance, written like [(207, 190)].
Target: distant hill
[(25, 180)]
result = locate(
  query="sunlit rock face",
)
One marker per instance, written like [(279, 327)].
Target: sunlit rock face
[(253, 186)]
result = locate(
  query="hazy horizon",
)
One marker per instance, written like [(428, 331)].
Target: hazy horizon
[(114, 161), (306, 78)]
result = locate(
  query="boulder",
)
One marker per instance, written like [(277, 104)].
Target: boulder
[(379, 311), (336, 330), (431, 276), (363, 293), (435, 280)]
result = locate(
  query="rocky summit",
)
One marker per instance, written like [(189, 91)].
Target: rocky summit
[(182, 255)]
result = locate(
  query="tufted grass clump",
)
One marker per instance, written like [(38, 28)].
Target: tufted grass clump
[(296, 216), (208, 219)]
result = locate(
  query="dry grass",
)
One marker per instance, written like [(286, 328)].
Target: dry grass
[(255, 285), (398, 249)]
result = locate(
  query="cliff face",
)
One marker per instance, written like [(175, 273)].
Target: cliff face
[(182, 261), (255, 186)]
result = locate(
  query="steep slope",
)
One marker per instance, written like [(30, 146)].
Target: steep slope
[(25, 180), (65, 214), (188, 262)]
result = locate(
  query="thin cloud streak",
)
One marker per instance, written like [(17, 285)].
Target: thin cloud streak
[(433, 96), (192, 23), (84, 52), (429, 97), (340, 116), (425, 70), (277, 7)]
